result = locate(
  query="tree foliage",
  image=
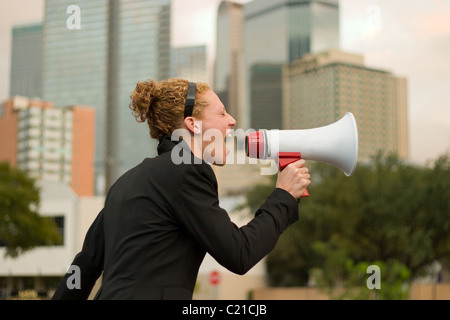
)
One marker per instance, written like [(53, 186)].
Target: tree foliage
[(21, 226), (389, 213)]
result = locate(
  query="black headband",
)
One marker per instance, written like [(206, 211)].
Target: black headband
[(190, 99)]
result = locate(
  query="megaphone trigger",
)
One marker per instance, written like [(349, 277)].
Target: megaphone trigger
[(285, 159)]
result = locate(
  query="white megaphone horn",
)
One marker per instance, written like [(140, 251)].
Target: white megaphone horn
[(335, 144)]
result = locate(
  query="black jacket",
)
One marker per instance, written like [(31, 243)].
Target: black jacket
[(158, 222)]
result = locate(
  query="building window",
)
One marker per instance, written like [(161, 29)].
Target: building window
[(59, 221)]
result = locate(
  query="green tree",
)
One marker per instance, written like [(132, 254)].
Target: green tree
[(389, 212), (21, 226)]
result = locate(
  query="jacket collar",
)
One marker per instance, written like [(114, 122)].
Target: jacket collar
[(166, 144)]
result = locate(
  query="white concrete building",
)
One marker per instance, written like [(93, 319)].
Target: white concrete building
[(42, 268)]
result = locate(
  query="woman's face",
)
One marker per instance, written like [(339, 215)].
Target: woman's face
[(215, 125)]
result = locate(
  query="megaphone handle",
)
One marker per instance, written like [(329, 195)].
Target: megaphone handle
[(285, 159)]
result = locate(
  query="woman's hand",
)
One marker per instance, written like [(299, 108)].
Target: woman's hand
[(294, 178)]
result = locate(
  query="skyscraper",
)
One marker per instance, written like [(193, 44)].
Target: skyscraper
[(228, 68), (97, 61), (320, 88), (266, 94), (26, 60), (281, 31), (189, 63)]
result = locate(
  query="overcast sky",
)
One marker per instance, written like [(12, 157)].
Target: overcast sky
[(411, 38)]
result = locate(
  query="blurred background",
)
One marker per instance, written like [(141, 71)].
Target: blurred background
[(67, 68)]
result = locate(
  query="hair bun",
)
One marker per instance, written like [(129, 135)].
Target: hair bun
[(162, 104), (143, 99)]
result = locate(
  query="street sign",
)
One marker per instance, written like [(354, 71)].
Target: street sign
[(214, 277)]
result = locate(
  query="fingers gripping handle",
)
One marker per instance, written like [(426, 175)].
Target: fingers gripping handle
[(285, 159)]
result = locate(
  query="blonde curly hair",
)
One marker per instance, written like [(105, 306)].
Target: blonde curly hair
[(161, 104)]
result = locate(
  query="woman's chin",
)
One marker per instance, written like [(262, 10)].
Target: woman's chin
[(219, 164), (217, 158), (220, 161)]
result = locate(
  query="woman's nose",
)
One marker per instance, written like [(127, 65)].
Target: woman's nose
[(232, 122)]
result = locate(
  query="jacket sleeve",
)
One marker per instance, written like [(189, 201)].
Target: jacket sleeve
[(88, 265), (237, 249)]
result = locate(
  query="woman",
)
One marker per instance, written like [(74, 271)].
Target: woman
[(162, 216)]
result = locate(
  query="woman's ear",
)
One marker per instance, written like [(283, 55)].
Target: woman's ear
[(192, 125)]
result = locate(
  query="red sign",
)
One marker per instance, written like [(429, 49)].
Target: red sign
[(214, 277)]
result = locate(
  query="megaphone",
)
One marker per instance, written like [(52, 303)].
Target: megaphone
[(335, 144)]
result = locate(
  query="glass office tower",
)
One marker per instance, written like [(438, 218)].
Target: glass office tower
[(26, 64), (281, 31), (228, 68), (144, 53), (189, 63), (266, 89), (98, 64)]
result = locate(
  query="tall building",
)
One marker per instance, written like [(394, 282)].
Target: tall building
[(189, 63), (9, 126), (281, 31), (94, 53), (266, 94), (51, 144), (26, 60), (228, 67), (320, 88)]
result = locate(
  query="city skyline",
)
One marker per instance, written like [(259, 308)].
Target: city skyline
[(404, 37)]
